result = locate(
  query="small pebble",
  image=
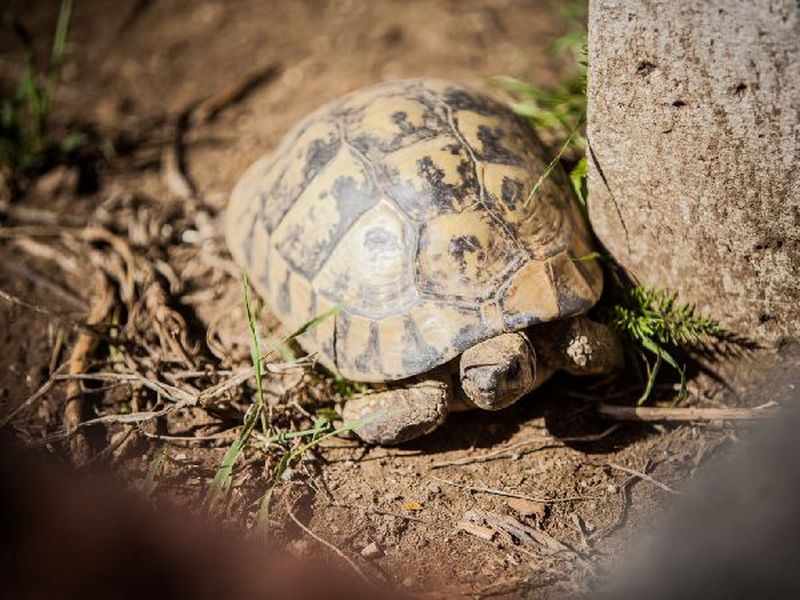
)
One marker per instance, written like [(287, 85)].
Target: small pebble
[(371, 550), (526, 507), (513, 559)]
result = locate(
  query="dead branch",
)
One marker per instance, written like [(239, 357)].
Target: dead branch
[(36, 216), (164, 390), (536, 540), (12, 299), (55, 288), (209, 108), (482, 532), (43, 389), (656, 413), (66, 263), (122, 248), (134, 418), (102, 302)]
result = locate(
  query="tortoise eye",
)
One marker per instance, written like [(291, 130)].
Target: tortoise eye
[(513, 369)]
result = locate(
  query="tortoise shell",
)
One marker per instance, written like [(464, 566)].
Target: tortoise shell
[(407, 204)]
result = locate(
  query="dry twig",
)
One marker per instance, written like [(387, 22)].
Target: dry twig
[(657, 413), (12, 299), (55, 288), (328, 545), (533, 540), (209, 108), (644, 476), (43, 389), (507, 494)]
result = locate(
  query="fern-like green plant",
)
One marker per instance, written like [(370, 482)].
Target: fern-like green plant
[(654, 321), (657, 314)]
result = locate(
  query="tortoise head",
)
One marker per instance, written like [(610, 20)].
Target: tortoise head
[(499, 371)]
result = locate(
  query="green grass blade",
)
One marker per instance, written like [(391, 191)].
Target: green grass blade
[(577, 177), (315, 321), (224, 474), (155, 471), (222, 478), (554, 162), (286, 352), (255, 353), (589, 257), (58, 51)]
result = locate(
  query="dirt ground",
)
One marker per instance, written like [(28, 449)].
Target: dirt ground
[(134, 68)]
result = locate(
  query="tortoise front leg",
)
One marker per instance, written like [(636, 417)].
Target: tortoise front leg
[(579, 346), (400, 413)]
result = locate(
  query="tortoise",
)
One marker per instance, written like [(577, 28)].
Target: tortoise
[(408, 204)]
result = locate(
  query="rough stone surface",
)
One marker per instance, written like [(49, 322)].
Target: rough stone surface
[(694, 113)]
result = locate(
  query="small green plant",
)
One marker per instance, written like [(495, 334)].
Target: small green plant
[(322, 429), (258, 412), (24, 108), (255, 354), (558, 113)]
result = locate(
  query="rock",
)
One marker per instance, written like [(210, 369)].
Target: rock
[(694, 127), (371, 550)]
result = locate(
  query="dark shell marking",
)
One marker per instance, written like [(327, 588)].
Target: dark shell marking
[(407, 203)]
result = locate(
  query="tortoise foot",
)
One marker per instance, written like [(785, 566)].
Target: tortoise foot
[(399, 414)]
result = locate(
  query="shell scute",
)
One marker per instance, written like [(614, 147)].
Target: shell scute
[(327, 207), (370, 272), (431, 177), (464, 256)]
